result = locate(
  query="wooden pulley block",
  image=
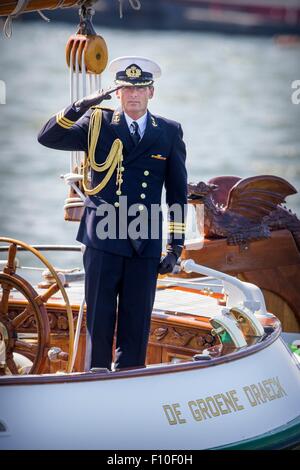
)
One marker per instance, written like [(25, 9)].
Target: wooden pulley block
[(74, 208), (93, 48)]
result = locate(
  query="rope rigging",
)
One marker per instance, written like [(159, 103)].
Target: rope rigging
[(87, 56), (83, 51), (135, 5), (21, 6), (19, 9)]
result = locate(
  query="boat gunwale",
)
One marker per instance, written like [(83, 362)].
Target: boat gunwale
[(143, 371), (284, 437)]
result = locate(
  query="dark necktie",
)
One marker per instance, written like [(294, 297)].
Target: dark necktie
[(134, 132)]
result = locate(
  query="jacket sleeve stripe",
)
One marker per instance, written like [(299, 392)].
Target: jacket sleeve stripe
[(176, 230), (62, 124), (62, 116), (62, 121)]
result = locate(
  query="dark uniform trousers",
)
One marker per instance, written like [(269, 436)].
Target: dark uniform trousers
[(133, 282), (118, 270)]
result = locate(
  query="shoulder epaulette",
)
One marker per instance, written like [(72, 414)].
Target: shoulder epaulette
[(105, 108)]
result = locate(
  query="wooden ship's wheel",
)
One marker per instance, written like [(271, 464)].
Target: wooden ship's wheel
[(33, 349)]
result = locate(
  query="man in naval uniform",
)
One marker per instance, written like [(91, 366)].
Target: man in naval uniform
[(121, 271)]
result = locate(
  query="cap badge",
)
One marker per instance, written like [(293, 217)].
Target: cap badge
[(133, 72)]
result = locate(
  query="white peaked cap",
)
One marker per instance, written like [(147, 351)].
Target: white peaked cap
[(147, 65), (146, 69)]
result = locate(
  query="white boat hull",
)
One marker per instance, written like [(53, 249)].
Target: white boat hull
[(157, 411)]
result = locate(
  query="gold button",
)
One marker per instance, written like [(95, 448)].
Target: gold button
[(143, 196), (116, 204), (122, 168), (141, 207), (121, 180), (119, 192), (146, 172), (144, 185)]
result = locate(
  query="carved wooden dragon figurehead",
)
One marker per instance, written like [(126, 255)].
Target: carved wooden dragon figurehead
[(243, 210)]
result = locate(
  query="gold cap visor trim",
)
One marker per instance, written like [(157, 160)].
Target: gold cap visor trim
[(123, 82)]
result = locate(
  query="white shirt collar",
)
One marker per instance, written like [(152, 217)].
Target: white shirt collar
[(142, 122)]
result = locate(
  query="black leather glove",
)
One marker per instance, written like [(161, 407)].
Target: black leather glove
[(168, 261), (96, 98)]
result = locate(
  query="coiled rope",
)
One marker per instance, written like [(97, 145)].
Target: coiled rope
[(135, 5), (19, 9)]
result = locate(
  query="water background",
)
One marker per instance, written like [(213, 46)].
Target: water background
[(232, 96)]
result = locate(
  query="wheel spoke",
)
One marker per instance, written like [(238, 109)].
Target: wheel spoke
[(23, 347), (6, 288), (11, 265), (22, 317), (49, 292), (11, 365)]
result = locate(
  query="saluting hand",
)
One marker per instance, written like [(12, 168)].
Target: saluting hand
[(95, 98)]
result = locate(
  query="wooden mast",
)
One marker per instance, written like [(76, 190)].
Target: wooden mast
[(8, 6)]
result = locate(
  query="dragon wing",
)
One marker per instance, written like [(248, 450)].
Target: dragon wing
[(257, 196)]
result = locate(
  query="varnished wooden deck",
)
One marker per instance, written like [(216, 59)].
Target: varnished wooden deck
[(171, 298)]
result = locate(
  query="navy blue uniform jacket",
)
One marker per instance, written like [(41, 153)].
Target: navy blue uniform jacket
[(157, 160)]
